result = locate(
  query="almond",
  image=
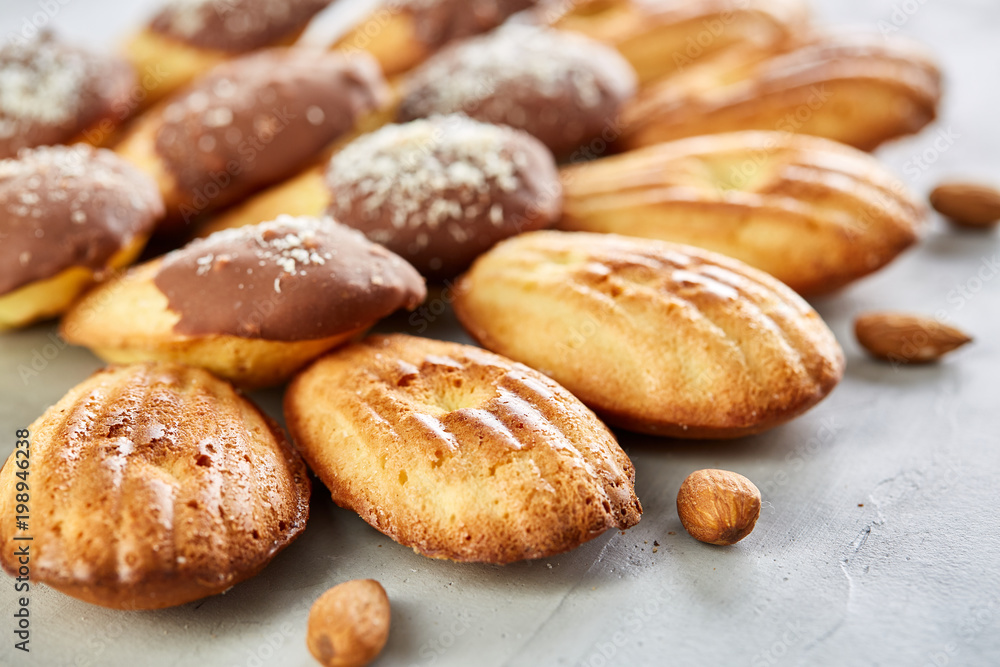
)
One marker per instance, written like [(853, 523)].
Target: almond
[(902, 338), (967, 204), (349, 624), (718, 506)]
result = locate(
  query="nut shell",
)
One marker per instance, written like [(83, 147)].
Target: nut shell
[(154, 485), (718, 506), (349, 624)]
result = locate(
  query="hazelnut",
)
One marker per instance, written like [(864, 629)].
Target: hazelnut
[(349, 624), (718, 506)]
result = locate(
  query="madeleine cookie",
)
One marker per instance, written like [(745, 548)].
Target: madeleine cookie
[(657, 337), (54, 93), (856, 88), (403, 33), (252, 305), (813, 213), (563, 88), (68, 217), (442, 191), (188, 37), (250, 123), (154, 485), (457, 452), (660, 37)]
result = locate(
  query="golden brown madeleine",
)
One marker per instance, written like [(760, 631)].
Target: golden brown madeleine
[(442, 191), (252, 305), (656, 337), (68, 216), (660, 37), (249, 123), (856, 88), (401, 34), (153, 485), (563, 88), (813, 213), (457, 452), (187, 37), (55, 93)]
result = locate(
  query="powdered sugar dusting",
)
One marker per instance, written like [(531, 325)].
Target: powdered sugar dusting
[(428, 172)]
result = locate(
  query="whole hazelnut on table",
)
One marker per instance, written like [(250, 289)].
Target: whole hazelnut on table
[(718, 506), (349, 624)]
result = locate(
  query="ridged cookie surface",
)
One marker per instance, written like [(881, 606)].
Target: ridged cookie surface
[(154, 485), (813, 213), (457, 452), (656, 337), (856, 88), (660, 37)]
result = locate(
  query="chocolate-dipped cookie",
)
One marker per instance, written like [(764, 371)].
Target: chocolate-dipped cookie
[(250, 123), (442, 191), (54, 93), (68, 216), (411, 30), (563, 88), (186, 37), (252, 305)]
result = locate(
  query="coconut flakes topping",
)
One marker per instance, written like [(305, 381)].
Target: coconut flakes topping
[(547, 61), (239, 17), (40, 82), (427, 172), (80, 171), (288, 242)]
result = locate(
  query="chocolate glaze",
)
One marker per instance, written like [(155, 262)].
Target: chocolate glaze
[(440, 21), (236, 26), (563, 88), (50, 92), (260, 118), (286, 280), (63, 206), (442, 191)]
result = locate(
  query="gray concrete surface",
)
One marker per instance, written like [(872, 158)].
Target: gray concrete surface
[(877, 543)]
